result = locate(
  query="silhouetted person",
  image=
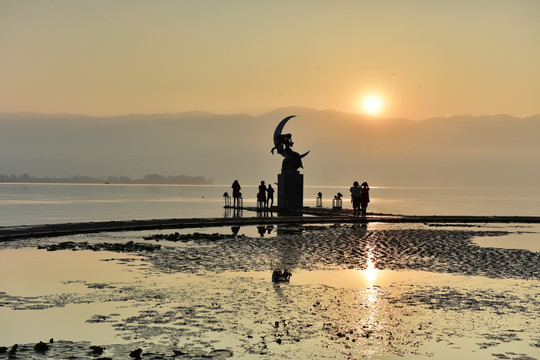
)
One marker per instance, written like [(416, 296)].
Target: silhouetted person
[(270, 197), (356, 191), (235, 230), (364, 198), (261, 196), (236, 193)]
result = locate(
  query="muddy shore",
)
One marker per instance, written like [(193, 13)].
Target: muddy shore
[(357, 290)]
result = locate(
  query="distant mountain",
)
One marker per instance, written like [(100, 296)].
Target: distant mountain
[(498, 150)]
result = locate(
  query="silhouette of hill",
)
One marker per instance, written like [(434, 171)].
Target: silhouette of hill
[(498, 150)]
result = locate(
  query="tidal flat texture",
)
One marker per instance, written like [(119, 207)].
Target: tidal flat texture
[(380, 292)]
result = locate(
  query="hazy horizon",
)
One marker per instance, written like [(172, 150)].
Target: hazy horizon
[(458, 151)]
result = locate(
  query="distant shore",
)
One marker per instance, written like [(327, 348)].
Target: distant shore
[(150, 179)]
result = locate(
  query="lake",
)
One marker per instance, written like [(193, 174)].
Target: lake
[(383, 291), (32, 204)]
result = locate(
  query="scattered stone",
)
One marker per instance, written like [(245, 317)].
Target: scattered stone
[(97, 349), (281, 275), (41, 347), (220, 353), (136, 353), (501, 356), (99, 319), (190, 237), (13, 351), (130, 246)]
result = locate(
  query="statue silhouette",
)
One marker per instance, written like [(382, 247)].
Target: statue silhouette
[(283, 145)]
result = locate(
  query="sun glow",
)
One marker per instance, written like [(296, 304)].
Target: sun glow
[(371, 270), (372, 104)]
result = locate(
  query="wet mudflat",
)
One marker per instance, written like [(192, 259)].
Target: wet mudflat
[(377, 291)]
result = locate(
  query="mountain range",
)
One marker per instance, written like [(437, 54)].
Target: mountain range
[(491, 151)]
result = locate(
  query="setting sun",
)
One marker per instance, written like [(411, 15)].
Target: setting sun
[(372, 104)]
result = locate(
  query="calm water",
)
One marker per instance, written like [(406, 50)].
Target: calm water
[(114, 299), (28, 204)]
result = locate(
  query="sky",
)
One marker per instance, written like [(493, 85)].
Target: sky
[(415, 59)]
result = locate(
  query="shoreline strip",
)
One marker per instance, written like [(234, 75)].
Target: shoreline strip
[(313, 216)]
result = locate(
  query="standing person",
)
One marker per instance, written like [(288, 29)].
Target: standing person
[(261, 196), (270, 197), (364, 198), (236, 193), (356, 191)]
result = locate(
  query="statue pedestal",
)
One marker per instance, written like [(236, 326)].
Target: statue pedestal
[(290, 190)]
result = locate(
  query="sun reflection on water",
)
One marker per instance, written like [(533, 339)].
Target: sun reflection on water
[(368, 321), (370, 272), (370, 295)]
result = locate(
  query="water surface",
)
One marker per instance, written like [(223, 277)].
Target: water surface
[(31, 204)]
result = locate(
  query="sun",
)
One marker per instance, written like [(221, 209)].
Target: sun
[(372, 104)]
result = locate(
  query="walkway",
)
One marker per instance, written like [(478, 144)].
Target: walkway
[(301, 216)]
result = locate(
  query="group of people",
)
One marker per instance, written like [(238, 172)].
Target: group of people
[(360, 198), (265, 196)]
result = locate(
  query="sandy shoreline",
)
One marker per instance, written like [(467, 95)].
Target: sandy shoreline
[(357, 291)]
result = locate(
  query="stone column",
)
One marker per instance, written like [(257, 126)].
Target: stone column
[(290, 190)]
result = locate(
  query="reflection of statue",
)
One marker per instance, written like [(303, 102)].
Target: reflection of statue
[(281, 275), (283, 144)]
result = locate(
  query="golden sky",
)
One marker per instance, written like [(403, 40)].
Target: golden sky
[(423, 58)]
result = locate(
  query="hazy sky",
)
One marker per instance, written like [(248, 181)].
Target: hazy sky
[(423, 58)]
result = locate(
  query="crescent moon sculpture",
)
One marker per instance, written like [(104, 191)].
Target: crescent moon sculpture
[(283, 143), (279, 129)]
